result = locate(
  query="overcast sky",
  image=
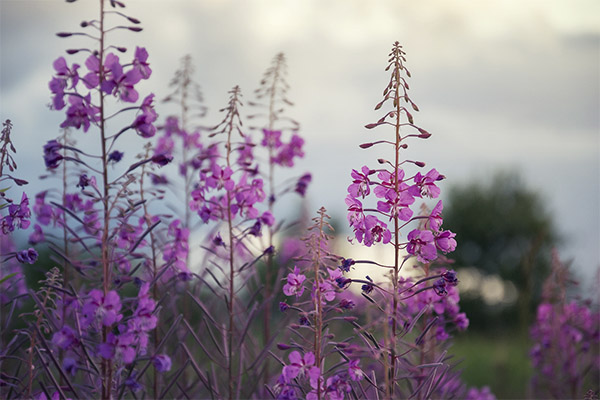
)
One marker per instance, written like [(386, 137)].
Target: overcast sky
[(511, 84)]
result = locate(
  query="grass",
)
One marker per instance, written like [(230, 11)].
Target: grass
[(498, 360)]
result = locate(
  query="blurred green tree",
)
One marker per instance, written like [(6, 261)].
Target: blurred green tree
[(505, 234)]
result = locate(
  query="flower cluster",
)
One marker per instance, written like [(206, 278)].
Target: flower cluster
[(283, 154), (440, 304), (396, 196), (116, 80), (303, 368), (314, 316), (566, 341)]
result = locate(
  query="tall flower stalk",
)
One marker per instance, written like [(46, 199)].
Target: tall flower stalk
[(272, 101), (396, 193)]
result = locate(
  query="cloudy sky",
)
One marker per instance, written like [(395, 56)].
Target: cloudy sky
[(511, 84)]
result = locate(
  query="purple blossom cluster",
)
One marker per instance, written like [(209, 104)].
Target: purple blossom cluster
[(566, 341), (397, 195), (116, 80)]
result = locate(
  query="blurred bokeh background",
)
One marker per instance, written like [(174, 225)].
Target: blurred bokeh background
[(509, 89)]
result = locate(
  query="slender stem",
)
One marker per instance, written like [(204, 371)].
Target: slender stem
[(318, 304), (155, 338), (397, 265), (231, 275), (66, 253), (106, 364), (270, 201)]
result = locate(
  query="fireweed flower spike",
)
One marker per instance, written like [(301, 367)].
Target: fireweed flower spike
[(281, 145), (100, 240), (317, 320), (395, 192)]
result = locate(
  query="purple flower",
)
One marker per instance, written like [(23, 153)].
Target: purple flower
[(65, 338), (439, 286), (37, 236), (421, 244), (144, 122), (158, 179), (84, 181), (60, 82), (450, 277), (372, 231), (28, 256), (435, 218), (461, 321), (271, 139), (118, 347), (81, 113), (17, 217), (346, 264), (480, 394), (92, 78), (346, 304), (397, 205), (299, 365), (115, 156), (445, 241), (289, 151), (70, 365), (133, 384), (51, 155), (294, 283), (367, 287), (354, 371), (425, 185), (302, 184), (119, 83), (360, 186), (162, 363), (140, 62), (101, 309)]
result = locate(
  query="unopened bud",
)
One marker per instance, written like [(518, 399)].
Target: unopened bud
[(366, 145), (64, 34), (419, 164), (134, 28), (404, 146), (121, 49), (424, 134), (283, 346), (84, 24), (72, 51)]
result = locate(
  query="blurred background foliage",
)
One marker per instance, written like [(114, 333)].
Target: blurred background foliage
[(505, 235)]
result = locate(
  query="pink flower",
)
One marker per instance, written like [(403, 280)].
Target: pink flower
[(435, 218), (271, 139), (361, 184), (373, 231), (425, 185), (221, 178), (81, 113), (140, 62), (299, 366), (294, 283), (421, 244), (143, 123), (102, 309), (356, 374), (445, 241)]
